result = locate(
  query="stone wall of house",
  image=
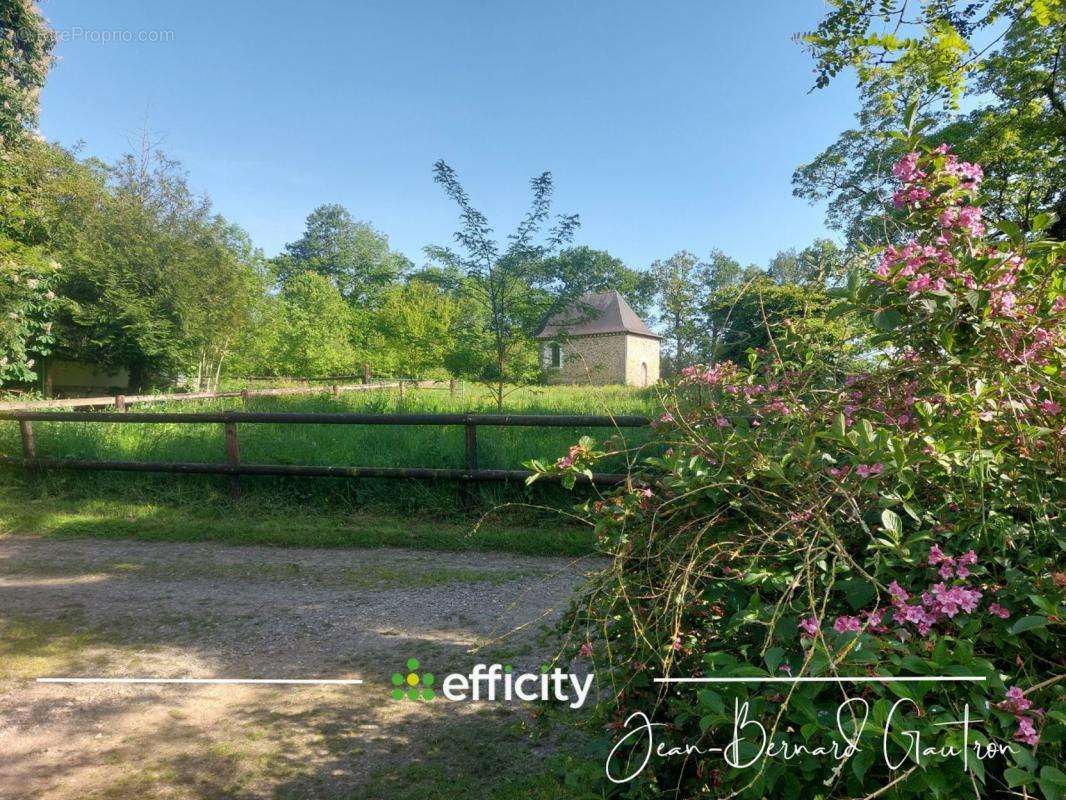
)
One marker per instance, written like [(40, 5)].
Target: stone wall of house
[(641, 361), (615, 358), (596, 360)]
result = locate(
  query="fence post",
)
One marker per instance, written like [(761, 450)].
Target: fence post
[(245, 395), (336, 390), (469, 493), (233, 456), (451, 388), (29, 447), (366, 373), (120, 402), (401, 389)]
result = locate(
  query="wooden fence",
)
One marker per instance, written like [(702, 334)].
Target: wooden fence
[(469, 473), (120, 402)]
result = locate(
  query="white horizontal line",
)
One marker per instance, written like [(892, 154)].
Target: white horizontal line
[(223, 681), (839, 679)]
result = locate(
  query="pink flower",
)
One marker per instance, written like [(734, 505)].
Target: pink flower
[(586, 650), (722, 422), (898, 593), (1050, 407), (996, 610), (809, 626), (666, 418), (869, 470), (936, 555), (1016, 701), (847, 624), (906, 169), (1027, 732)]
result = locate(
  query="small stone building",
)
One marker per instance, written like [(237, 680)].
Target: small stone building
[(599, 340)]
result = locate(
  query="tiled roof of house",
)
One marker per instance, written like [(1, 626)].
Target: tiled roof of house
[(605, 312)]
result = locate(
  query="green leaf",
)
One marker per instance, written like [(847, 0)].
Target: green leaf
[(1028, 624), (890, 519), (908, 116), (1013, 231), (1041, 221), (1052, 781), (887, 319), (1017, 777), (858, 592)]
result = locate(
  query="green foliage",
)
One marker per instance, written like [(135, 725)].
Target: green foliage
[(25, 57), (416, 325), (792, 519), (501, 283), (352, 255), (28, 303), (759, 314), (316, 328), (582, 270), (677, 280), (1002, 56)]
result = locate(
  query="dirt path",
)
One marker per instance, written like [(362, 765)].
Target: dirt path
[(121, 609)]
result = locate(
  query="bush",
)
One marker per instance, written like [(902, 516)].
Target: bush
[(792, 520)]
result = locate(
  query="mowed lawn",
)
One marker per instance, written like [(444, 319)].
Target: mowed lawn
[(323, 512)]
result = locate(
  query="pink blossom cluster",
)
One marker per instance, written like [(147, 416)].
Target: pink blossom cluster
[(894, 401), (952, 567), (924, 267), (939, 602), (950, 256), (1024, 714), (711, 376)]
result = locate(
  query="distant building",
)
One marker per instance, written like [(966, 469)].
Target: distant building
[(599, 340), (78, 379)]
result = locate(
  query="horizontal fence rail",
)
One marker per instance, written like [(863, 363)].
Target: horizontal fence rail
[(324, 418), (234, 468), (121, 401)]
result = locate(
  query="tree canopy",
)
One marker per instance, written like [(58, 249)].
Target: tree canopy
[(986, 77)]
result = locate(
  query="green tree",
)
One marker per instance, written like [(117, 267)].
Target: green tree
[(26, 44), (352, 254), (581, 270), (315, 330), (416, 325), (150, 279), (819, 264), (678, 288), (1003, 57), (496, 340), (761, 312)]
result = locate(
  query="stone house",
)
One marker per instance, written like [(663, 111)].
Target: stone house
[(599, 340)]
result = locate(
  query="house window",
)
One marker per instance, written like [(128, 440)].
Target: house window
[(555, 353)]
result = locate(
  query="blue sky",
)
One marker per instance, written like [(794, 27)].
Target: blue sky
[(667, 125)]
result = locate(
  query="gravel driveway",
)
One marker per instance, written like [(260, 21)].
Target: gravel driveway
[(122, 609)]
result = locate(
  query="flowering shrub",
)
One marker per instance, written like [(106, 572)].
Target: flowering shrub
[(27, 305), (789, 520)]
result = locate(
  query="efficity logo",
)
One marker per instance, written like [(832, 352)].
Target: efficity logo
[(413, 686), (494, 682)]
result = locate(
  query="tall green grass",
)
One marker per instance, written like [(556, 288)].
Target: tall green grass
[(339, 445)]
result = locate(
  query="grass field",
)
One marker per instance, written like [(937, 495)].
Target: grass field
[(385, 446)]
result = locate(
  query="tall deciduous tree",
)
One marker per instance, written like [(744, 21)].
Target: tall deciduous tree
[(496, 342), (1004, 57), (678, 286), (351, 254), (581, 270)]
